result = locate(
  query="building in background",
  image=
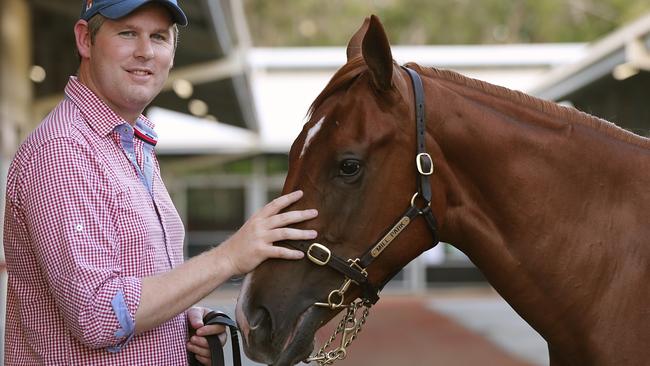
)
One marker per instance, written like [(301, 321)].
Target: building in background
[(229, 112), (611, 81)]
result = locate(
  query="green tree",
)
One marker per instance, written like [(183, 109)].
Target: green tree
[(331, 22)]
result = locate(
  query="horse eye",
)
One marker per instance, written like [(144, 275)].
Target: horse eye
[(349, 167)]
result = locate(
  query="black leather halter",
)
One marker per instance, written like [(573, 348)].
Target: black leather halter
[(355, 269)]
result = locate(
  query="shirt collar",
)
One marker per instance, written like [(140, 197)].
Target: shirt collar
[(99, 116), (144, 131)]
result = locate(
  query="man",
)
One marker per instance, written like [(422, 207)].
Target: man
[(93, 242)]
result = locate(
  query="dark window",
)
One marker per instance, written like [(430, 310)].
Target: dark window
[(215, 209)]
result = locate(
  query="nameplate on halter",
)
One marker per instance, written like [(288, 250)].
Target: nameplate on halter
[(388, 238)]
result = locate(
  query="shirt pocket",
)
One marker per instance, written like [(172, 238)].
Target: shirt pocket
[(138, 231), (174, 229)]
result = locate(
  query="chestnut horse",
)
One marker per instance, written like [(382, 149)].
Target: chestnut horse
[(548, 202)]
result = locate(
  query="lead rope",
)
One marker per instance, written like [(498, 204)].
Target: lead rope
[(348, 328), (216, 350)]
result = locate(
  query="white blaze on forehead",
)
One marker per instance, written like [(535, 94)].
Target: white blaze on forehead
[(311, 134)]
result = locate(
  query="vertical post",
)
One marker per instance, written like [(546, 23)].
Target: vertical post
[(256, 196), (415, 275), (15, 101)]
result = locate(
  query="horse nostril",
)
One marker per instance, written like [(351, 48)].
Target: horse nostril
[(261, 324), (258, 345)]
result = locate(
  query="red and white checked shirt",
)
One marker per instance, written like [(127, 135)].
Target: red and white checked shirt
[(87, 217)]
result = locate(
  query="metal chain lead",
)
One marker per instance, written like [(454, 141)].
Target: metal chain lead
[(349, 327)]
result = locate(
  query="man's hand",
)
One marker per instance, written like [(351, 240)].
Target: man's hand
[(198, 344), (253, 243)]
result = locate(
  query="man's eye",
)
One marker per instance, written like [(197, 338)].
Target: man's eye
[(128, 34), (159, 37)]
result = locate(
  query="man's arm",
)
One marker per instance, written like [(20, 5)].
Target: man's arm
[(168, 294)]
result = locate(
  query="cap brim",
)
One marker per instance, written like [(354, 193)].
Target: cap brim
[(124, 8)]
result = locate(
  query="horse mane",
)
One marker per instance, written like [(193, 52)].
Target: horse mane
[(342, 79), (562, 113), (349, 72)]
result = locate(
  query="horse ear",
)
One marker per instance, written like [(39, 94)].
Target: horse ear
[(376, 53), (354, 46)]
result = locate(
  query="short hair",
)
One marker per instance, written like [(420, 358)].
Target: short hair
[(94, 24)]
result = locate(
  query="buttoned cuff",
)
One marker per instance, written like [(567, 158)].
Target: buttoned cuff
[(127, 325)]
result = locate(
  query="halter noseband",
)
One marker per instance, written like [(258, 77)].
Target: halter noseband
[(354, 270)]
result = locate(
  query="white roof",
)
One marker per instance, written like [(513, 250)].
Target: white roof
[(452, 56), (180, 133), (600, 59)]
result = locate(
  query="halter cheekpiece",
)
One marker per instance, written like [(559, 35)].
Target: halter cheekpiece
[(355, 270)]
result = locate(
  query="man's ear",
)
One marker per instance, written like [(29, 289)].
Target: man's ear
[(82, 37)]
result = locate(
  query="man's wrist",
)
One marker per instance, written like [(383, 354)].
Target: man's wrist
[(221, 260)]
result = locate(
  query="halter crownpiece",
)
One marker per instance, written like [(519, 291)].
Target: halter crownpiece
[(354, 270)]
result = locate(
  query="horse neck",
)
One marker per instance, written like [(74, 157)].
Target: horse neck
[(540, 198)]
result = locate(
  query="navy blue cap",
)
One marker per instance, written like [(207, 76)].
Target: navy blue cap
[(115, 9)]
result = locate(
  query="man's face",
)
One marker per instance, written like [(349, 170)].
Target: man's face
[(131, 58)]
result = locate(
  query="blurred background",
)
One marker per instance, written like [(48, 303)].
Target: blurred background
[(246, 72)]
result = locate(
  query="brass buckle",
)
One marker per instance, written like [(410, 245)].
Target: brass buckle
[(418, 162), (316, 260)]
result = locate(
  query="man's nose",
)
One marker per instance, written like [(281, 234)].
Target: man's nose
[(144, 49)]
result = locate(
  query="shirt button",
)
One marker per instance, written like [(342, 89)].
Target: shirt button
[(79, 227)]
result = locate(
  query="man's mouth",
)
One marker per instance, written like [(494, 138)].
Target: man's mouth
[(140, 72)]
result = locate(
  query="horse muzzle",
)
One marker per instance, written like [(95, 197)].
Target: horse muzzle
[(273, 341)]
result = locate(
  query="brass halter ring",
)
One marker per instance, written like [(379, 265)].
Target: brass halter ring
[(331, 298), (413, 201)]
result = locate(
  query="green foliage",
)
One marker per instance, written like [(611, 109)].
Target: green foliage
[(332, 22)]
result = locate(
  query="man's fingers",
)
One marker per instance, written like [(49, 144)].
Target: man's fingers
[(203, 341), (201, 347), (291, 217), (194, 347), (291, 234), (199, 341), (204, 360), (285, 253), (280, 203), (195, 317), (210, 330)]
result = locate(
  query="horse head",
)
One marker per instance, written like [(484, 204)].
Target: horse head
[(354, 160)]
